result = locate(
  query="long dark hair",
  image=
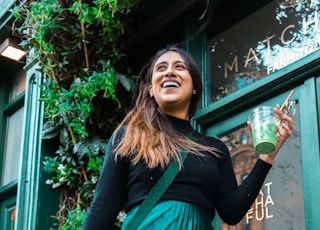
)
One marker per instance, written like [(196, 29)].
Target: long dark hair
[(149, 134)]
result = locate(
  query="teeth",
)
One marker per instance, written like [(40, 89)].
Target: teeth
[(170, 84)]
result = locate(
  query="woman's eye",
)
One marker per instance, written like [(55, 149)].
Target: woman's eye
[(161, 67), (181, 66)]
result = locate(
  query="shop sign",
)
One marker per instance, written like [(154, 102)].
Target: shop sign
[(263, 43)]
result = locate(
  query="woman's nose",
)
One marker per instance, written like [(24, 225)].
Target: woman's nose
[(169, 72)]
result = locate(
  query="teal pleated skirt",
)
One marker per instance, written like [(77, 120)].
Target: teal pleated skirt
[(173, 215)]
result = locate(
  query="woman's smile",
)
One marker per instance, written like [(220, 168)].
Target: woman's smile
[(170, 84)]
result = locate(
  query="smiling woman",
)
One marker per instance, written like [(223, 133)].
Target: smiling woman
[(172, 85), (156, 134)]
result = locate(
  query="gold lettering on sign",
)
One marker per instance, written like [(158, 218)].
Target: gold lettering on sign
[(267, 41), (228, 67), (283, 34), (286, 38), (251, 56)]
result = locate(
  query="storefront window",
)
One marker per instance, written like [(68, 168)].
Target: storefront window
[(13, 114), (280, 202), (275, 36), (12, 154)]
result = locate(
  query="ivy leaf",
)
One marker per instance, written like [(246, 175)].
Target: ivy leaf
[(76, 147), (50, 130), (64, 137), (126, 82)]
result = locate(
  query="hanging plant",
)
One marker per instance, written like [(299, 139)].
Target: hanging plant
[(76, 45)]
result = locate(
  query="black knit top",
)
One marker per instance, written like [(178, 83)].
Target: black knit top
[(206, 181)]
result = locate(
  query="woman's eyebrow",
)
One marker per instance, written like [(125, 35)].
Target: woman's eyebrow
[(163, 62), (175, 62)]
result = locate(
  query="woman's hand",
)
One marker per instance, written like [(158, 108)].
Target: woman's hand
[(284, 131)]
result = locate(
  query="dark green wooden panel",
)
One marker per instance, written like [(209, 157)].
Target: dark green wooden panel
[(310, 152)]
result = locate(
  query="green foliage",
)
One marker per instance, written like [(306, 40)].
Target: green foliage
[(77, 44), (75, 219)]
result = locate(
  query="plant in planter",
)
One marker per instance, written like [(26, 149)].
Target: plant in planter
[(77, 44)]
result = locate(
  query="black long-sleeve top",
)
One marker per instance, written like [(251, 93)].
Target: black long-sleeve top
[(206, 181)]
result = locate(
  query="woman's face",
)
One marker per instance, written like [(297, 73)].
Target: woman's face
[(171, 85)]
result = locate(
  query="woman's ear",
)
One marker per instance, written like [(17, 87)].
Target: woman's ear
[(150, 89)]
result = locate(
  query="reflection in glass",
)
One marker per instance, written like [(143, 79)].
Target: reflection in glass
[(12, 154), (263, 43), (280, 202)]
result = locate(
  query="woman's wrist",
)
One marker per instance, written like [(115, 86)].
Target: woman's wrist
[(269, 158)]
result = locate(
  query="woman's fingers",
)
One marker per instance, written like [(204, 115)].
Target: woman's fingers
[(285, 124)]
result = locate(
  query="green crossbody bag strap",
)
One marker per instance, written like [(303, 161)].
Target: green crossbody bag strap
[(156, 192)]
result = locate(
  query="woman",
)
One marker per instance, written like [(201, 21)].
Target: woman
[(152, 135)]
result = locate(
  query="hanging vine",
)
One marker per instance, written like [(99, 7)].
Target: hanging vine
[(77, 43)]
